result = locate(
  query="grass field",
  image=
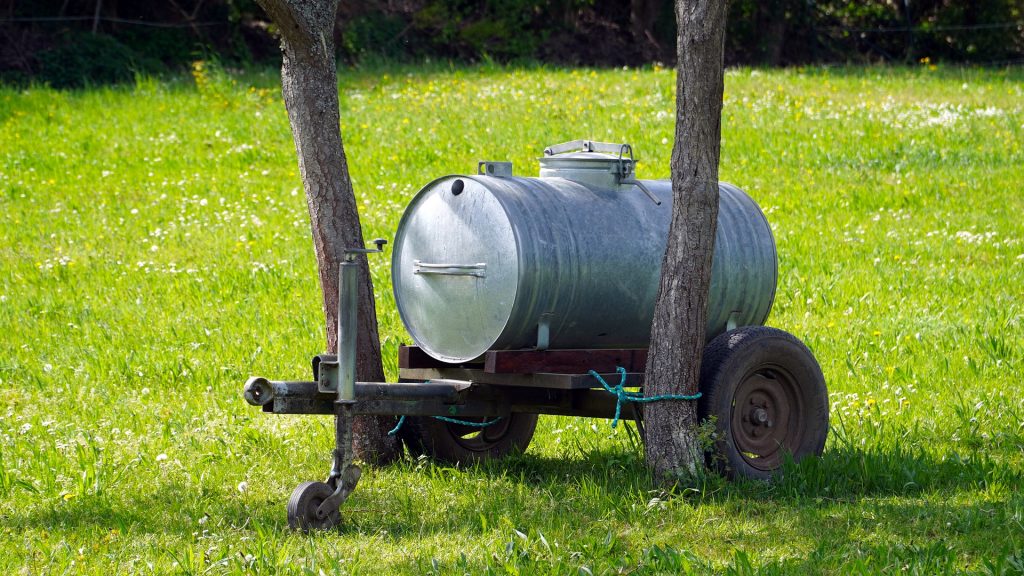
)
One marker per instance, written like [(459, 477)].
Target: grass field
[(155, 252)]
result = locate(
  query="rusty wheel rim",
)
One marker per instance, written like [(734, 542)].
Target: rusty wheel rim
[(767, 417), (479, 439)]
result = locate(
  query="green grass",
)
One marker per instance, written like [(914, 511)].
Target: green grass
[(155, 252)]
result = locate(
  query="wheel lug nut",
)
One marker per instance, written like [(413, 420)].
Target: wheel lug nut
[(759, 416)]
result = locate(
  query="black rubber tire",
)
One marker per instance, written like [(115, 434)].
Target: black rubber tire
[(302, 507), (769, 398), (459, 444)]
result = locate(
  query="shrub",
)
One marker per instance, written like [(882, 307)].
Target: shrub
[(90, 59)]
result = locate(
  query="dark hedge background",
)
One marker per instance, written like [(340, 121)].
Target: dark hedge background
[(69, 43)]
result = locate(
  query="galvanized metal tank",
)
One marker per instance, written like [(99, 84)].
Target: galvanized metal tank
[(568, 260)]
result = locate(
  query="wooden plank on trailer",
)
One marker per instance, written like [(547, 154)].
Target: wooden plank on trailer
[(633, 380), (564, 361), (537, 380)]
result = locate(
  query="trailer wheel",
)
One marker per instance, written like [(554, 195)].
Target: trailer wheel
[(768, 396), (303, 506), (460, 443)]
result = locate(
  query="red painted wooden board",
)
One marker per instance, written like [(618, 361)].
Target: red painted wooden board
[(564, 361), (414, 357)]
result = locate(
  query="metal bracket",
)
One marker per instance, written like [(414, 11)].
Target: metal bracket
[(344, 475), (733, 321), (343, 485), (351, 253), (627, 168), (327, 369), (496, 169), (544, 331)]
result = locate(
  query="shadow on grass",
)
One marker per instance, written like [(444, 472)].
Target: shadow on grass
[(169, 508), (841, 472), (417, 497), (850, 511)]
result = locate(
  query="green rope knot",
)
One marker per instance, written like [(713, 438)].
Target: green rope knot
[(623, 396)]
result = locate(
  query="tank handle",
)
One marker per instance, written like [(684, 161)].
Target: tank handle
[(478, 270), (589, 146), (643, 189)]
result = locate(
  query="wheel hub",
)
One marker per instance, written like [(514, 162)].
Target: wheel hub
[(759, 416), (767, 422)]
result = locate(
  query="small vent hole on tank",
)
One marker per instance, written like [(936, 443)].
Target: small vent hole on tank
[(457, 187)]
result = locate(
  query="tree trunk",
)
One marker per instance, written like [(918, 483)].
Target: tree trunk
[(677, 333), (310, 87)]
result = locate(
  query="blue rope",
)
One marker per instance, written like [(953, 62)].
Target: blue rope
[(397, 427), (466, 423), (623, 396), (401, 421)]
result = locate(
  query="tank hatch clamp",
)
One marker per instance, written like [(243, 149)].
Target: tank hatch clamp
[(624, 167)]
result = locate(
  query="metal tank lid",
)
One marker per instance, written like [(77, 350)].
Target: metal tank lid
[(455, 268), (574, 157), (599, 164), (615, 159)]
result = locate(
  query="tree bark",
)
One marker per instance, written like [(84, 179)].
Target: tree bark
[(310, 87), (677, 334)]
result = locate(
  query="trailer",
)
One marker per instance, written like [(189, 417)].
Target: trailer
[(528, 296)]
